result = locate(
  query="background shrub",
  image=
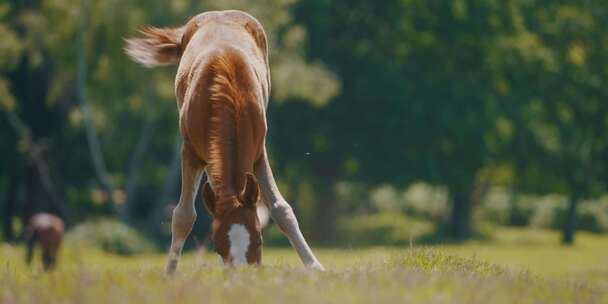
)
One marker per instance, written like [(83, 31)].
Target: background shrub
[(593, 215), (385, 228), (109, 235)]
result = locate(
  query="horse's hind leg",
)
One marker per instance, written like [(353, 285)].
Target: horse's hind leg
[(282, 213), (49, 259), (184, 213), (31, 242)]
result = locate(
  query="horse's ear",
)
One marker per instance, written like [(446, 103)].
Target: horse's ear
[(209, 198), (251, 192)]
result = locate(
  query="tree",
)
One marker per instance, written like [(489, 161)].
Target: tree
[(419, 98), (562, 110)]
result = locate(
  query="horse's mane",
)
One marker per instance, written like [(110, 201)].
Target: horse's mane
[(227, 93)]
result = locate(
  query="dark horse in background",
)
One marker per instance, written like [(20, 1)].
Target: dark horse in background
[(45, 230)]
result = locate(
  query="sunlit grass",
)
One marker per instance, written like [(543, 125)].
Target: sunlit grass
[(520, 266)]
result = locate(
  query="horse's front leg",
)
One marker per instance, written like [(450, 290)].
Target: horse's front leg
[(282, 213), (184, 213)]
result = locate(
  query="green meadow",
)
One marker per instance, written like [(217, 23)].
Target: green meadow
[(517, 266)]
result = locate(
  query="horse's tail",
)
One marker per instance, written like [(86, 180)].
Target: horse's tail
[(160, 46), (31, 237)]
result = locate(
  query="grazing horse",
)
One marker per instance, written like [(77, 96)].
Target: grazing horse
[(222, 89), (47, 230)]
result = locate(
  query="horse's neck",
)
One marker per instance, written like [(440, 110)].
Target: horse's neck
[(229, 169), (230, 183)]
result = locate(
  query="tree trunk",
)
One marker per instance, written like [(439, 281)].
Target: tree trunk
[(460, 219), (570, 225), (168, 192), (37, 172), (9, 211), (94, 145), (136, 161), (326, 215), (30, 84)]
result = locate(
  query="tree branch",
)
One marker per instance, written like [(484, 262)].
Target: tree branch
[(93, 142)]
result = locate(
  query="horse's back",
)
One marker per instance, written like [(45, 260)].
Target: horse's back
[(46, 221), (48, 228)]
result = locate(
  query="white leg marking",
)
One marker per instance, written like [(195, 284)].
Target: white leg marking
[(239, 243)]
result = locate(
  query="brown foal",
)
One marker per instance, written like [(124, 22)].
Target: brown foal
[(222, 88), (47, 230)]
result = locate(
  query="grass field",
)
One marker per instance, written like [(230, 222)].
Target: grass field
[(519, 266)]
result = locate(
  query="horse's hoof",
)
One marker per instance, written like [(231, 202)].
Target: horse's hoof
[(171, 267), (316, 266)]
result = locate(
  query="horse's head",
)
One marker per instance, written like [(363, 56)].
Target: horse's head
[(236, 230)]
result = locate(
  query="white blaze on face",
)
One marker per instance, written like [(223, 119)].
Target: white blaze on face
[(239, 243)]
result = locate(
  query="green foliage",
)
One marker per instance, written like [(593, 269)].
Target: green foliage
[(110, 236), (427, 201), (442, 90), (546, 212), (386, 228), (419, 200), (593, 216), (498, 207), (274, 237)]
